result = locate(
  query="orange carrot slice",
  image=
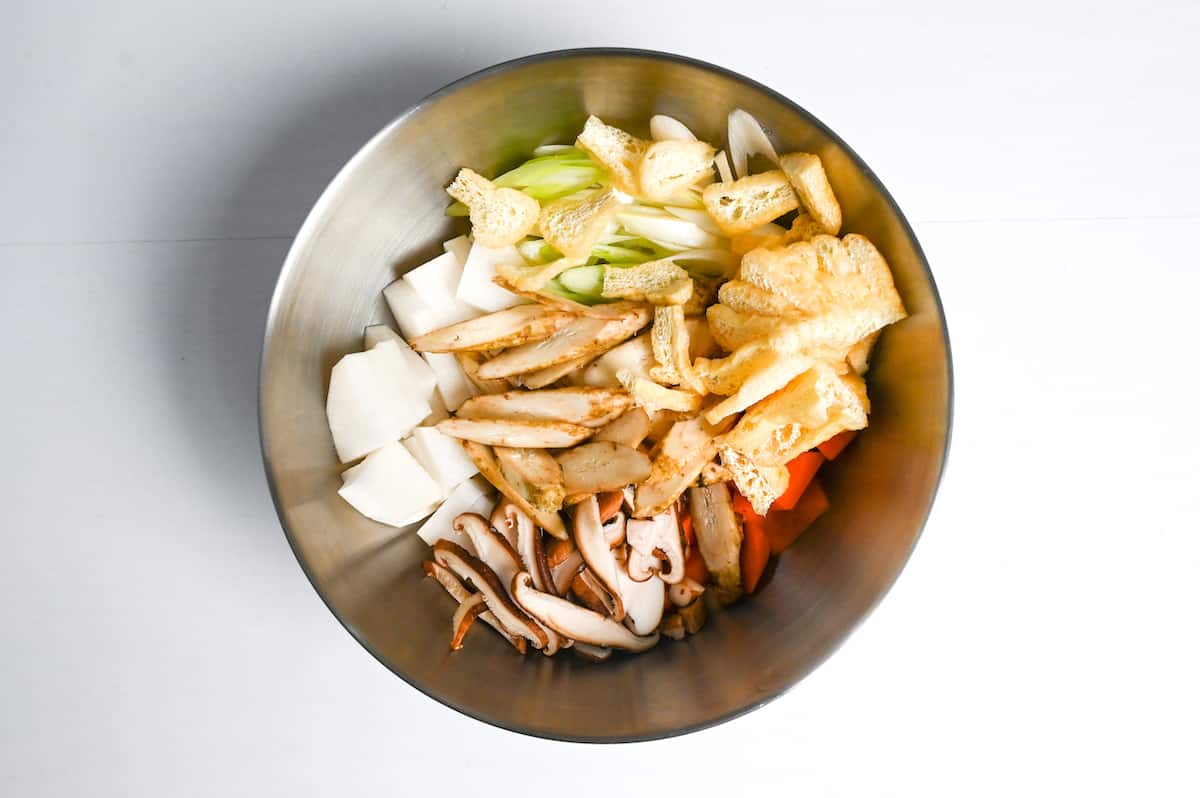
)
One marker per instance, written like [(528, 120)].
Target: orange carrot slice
[(800, 472), (756, 550), (833, 447), (786, 527)]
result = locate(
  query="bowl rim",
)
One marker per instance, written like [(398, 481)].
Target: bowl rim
[(305, 232)]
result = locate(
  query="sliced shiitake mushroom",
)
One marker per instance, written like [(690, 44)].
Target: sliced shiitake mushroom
[(614, 530), (593, 545), (600, 466), (530, 547), (463, 617), (446, 578), (610, 504), (575, 622), (658, 540), (504, 561), (485, 581)]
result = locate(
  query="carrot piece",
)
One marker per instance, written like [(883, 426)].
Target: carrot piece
[(833, 447), (689, 534), (756, 550), (786, 527), (801, 471), (742, 506), (694, 567)]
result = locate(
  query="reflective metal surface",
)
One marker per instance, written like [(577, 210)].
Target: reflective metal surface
[(384, 213)]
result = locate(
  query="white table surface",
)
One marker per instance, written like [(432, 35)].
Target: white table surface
[(158, 638)]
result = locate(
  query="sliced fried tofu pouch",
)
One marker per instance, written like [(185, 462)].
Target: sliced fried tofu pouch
[(807, 176), (574, 224), (668, 167), (750, 202), (499, 216), (810, 278), (762, 485), (659, 282), (814, 407), (614, 149), (827, 336)]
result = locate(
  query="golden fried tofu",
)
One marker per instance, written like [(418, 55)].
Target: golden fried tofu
[(814, 407), (615, 150), (808, 177), (810, 278), (750, 202), (499, 216), (769, 235), (659, 282), (668, 167), (762, 485), (758, 385), (671, 343), (574, 224)]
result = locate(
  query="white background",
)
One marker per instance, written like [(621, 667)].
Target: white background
[(157, 636)]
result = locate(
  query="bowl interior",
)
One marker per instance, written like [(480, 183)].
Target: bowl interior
[(385, 213)]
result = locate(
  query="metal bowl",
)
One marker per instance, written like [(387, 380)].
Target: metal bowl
[(385, 212)]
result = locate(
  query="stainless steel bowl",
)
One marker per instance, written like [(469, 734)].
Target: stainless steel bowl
[(384, 213)]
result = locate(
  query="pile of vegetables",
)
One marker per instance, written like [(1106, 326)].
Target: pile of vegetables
[(610, 402)]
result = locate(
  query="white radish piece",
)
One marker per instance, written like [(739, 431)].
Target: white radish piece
[(413, 315), (452, 381), (435, 282), (473, 496), (425, 380), (391, 487), (476, 286), (459, 247), (441, 456), (371, 401), (746, 139), (436, 278)]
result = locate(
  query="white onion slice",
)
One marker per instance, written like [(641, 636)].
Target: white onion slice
[(722, 162), (668, 128), (746, 139)]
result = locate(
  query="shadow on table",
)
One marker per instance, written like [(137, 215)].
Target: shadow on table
[(213, 322)]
